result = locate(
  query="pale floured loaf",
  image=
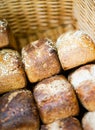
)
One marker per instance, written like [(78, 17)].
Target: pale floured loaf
[(88, 121), (83, 81), (75, 48)]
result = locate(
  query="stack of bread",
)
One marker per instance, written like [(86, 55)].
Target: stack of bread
[(49, 86)]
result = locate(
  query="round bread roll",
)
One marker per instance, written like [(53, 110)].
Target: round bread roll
[(83, 81), (12, 75), (18, 111), (40, 60), (55, 99), (70, 123), (88, 121), (74, 49)]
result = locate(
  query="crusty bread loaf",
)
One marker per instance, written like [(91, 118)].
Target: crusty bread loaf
[(88, 121), (55, 99), (40, 60), (70, 123), (83, 81), (74, 49), (6, 36), (12, 75), (18, 111)]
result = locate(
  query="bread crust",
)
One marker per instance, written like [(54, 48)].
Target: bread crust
[(40, 60), (6, 36), (75, 48), (88, 121), (55, 99), (83, 81), (18, 111), (12, 75)]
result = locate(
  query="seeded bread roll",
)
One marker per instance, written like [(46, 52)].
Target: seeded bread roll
[(55, 99), (88, 121), (40, 60), (75, 48), (6, 36), (18, 111), (12, 75), (69, 123), (83, 81)]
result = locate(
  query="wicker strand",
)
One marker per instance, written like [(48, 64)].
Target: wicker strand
[(84, 11), (32, 19)]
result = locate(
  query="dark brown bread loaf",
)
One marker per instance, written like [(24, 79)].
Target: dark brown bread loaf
[(75, 48), (40, 60), (6, 36), (69, 123), (83, 81), (18, 111), (55, 99), (12, 75), (88, 121)]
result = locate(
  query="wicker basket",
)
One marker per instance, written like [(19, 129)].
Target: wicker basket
[(31, 19), (84, 12)]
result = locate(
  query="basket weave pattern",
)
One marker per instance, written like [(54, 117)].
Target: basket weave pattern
[(84, 12), (32, 17)]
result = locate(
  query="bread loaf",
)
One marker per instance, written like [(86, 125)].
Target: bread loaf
[(75, 48), (70, 123), (12, 75), (40, 60), (88, 121), (55, 99), (83, 81), (6, 36), (18, 111)]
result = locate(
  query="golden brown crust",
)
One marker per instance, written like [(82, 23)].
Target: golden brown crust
[(18, 111), (75, 48), (83, 81), (12, 75), (55, 99), (69, 123), (40, 60), (6, 37)]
